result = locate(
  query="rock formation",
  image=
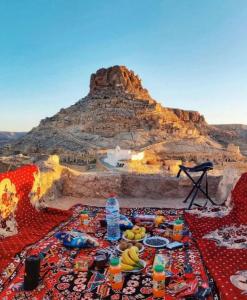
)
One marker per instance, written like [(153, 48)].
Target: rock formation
[(115, 80), (116, 111)]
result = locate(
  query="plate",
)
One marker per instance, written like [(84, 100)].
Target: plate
[(161, 242), (138, 270), (124, 238), (122, 251)]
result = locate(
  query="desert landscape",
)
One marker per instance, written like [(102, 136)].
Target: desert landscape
[(119, 112), (123, 150)]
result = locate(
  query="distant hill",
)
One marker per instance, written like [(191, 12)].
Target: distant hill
[(231, 133), (7, 136)]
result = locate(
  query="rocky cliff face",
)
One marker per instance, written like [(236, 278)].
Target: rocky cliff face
[(117, 111), (115, 80)]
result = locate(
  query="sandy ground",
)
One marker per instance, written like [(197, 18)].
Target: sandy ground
[(67, 202)]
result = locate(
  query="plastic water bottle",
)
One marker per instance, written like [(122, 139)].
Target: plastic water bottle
[(112, 219)]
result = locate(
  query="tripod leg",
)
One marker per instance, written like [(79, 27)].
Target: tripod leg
[(195, 183), (207, 195), (193, 198), (190, 193)]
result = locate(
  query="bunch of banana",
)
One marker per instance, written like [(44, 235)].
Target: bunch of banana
[(130, 259)]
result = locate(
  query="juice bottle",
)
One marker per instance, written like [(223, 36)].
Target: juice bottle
[(159, 282), (84, 220), (115, 274), (178, 230)]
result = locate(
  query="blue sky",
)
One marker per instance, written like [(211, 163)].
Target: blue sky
[(190, 54)]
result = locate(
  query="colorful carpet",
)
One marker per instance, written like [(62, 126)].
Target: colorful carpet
[(207, 220), (59, 281), (16, 209), (222, 240)]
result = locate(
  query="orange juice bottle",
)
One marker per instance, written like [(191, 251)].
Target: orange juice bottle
[(178, 230), (84, 220), (159, 281), (115, 274)]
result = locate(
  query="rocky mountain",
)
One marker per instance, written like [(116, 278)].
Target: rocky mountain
[(6, 136), (118, 110), (231, 133)]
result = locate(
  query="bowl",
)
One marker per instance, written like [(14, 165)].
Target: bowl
[(121, 251), (138, 270), (155, 242), (140, 240)]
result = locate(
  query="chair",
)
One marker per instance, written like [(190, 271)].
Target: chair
[(197, 185)]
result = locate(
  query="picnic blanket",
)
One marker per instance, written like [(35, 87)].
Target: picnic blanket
[(224, 264), (30, 224), (59, 281), (221, 236), (204, 221)]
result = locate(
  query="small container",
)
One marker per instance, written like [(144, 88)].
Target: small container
[(100, 261), (159, 282), (84, 217), (178, 230), (115, 274), (161, 260)]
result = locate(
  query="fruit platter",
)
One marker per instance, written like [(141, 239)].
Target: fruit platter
[(130, 260), (137, 233), (123, 245)]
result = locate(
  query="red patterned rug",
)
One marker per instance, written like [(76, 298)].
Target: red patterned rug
[(59, 281), (31, 224), (221, 236)]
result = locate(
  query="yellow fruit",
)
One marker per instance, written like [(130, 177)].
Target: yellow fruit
[(133, 254), (125, 267), (143, 230), (127, 232), (136, 229), (136, 249), (131, 235), (138, 236), (126, 258)]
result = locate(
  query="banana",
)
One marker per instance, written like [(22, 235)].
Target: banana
[(133, 254), (126, 258), (127, 267)]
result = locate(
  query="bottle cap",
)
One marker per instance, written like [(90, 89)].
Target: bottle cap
[(114, 261), (112, 195), (178, 222), (159, 268)]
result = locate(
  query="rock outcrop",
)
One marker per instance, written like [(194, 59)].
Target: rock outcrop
[(115, 80), (117, 111)]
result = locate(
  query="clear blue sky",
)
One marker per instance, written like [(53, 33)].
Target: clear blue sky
[(191, 54)]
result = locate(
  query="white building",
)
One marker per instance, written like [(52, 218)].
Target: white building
[(114, 156)]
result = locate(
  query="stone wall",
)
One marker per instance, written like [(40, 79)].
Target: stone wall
[(101, 184), (161, 187), (91, 185)]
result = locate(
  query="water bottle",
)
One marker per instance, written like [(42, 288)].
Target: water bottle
[(112, 219)]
